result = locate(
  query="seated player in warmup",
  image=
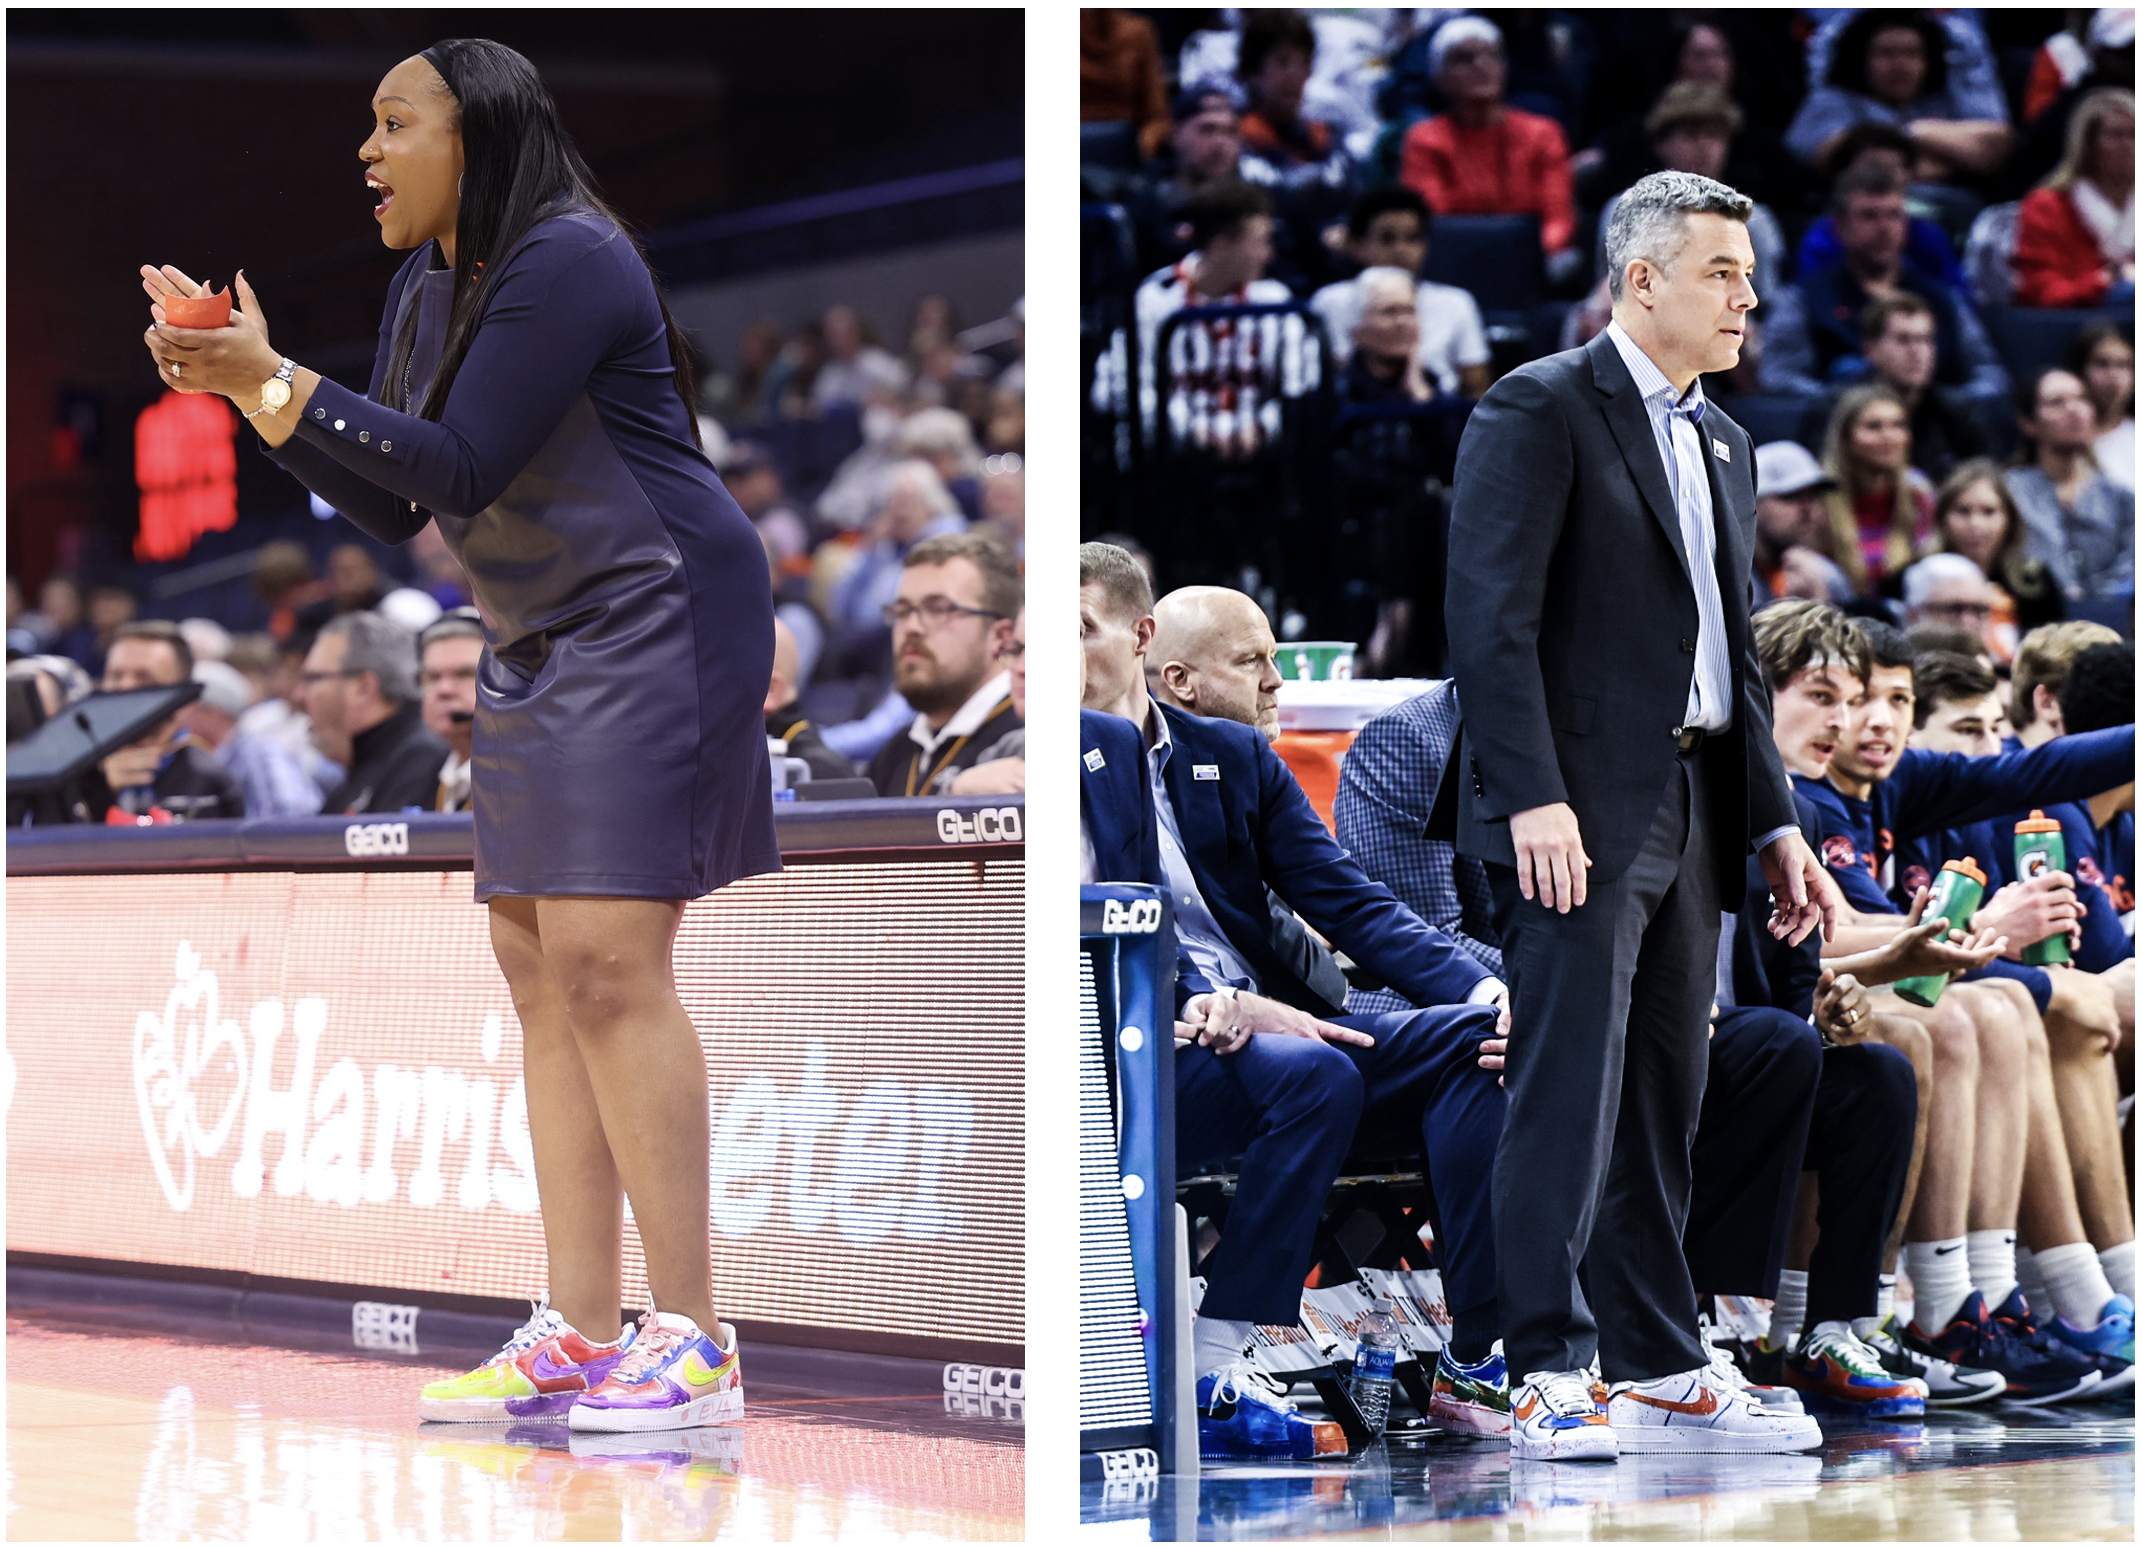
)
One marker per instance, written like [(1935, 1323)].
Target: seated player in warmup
[(1262, 1075), (1773, 1095), (1876, 793), (2090, 1013), (1814, 664)]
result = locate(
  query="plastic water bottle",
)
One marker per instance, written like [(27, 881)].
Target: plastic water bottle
[(2040, 849), (1956, 894), (1375, 1356)]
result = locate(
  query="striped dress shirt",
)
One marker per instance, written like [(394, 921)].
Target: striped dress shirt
[(1676, 419)]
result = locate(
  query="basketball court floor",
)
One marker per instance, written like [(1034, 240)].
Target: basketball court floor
[(194, 1432), (2006, 1475)]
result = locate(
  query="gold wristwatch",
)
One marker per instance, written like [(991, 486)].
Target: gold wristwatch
[(275, 391)]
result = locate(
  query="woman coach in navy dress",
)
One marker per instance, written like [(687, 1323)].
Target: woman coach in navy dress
[(533, 397)]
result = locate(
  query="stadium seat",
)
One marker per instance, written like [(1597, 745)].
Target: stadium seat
[(2030, 339), (1113, 145), (1496, 257), (1108, 263)]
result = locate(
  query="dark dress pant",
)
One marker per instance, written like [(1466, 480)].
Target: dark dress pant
[(1751, 1139), (1859, 1146), (1292, 1109), (1608, 1049)]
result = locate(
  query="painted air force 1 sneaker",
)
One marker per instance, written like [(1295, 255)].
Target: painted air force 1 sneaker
[(1556, 1416), (673, 1377), (540, 1373), (1700, 1411), (1836, 1369), (1242, 1418), (1471, 1399)]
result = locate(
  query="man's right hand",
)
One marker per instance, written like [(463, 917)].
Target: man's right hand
[(1226, 1024), (1551, 862), (2030, 911)]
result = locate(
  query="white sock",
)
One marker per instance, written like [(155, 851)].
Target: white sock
[(2119, 1266), (1789, 1311), (1217, 1341), (1993, 1264), (2077, 1283), (2032, 1280), (1941, 1281), (1885, 1298)]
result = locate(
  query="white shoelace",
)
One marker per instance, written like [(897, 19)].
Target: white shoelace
[(1243, 1379), (1726, 1371), (1568, 1393), (541, 1324)]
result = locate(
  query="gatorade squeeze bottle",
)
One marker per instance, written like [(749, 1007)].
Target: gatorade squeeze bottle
[(2040, 849), (1956, 895)]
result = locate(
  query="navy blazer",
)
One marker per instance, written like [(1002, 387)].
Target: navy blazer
[(1114, 798), (1247, 826), (1572, 618)]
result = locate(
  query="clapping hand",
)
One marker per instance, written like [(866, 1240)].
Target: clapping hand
[(232, 360)]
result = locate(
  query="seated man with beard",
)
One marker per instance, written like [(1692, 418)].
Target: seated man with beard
[(951, 622)]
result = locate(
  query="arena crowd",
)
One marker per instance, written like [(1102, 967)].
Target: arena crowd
[(886, 482)]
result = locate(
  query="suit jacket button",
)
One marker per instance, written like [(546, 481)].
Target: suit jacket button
[(1688, 647)]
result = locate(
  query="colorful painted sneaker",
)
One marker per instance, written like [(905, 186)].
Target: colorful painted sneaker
[(1771, 1395), (1832, 1366), (1556, 1416), (1240, 1418), (673, 1377), (539, 1374), (2110, 1344), (2037, 1370), (1697, 1411), (1472, 1399), (1947, 1385)]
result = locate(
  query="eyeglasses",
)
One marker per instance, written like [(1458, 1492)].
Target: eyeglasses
[(313, 679), (1012, 651), (1959, 609), (935, 612)]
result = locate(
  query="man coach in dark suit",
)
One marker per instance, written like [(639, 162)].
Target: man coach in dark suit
[(1615, 769)]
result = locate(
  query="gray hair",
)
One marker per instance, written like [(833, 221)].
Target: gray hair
[(923, 477), (1921, 579), (1384, 277), (381, 646), (1649, 219)]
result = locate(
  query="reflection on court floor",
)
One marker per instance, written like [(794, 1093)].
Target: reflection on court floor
[(148, 1436), (2010, 1475)]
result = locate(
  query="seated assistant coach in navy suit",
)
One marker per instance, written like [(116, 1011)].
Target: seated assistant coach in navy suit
[(1118, 830), (1266, 1079)]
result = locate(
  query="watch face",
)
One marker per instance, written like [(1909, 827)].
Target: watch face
[(274, 392)]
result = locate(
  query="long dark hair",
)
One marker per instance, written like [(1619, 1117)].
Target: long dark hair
[(1848, 53), (519, 168)]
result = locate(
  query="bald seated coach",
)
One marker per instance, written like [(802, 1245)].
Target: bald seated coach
[(1213, 654)]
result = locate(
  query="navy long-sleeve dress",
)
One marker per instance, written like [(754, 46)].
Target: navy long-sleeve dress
[(620, 749)]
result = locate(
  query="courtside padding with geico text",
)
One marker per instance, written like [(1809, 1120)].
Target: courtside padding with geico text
[(316, 1076)]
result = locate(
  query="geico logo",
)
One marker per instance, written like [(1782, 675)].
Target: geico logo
[(986, 1380), (864, 1167), (1140, 916), (990, 825), (365, 840)]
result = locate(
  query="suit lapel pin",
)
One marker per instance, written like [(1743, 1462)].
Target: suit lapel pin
[(1094, 760), (1725, 452), (1204, 771)]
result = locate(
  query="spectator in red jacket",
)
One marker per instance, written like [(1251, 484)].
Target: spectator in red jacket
[(1482, 157), (2075, 235)]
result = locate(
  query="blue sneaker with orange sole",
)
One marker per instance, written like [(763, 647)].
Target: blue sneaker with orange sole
[(1241, 1418), (2037, 1369)]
